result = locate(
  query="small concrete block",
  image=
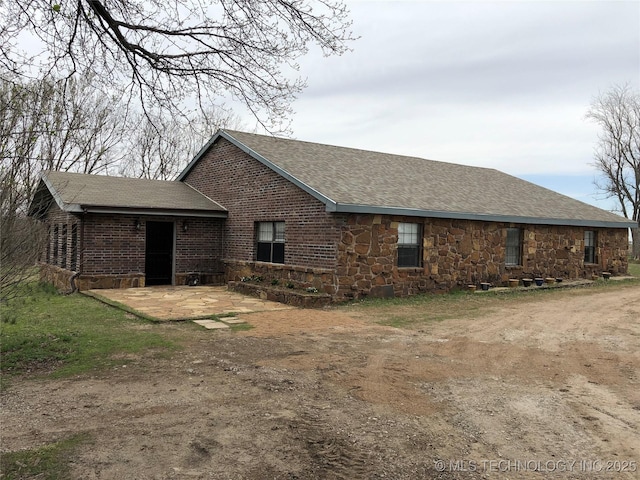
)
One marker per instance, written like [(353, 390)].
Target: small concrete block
[(211, 324)]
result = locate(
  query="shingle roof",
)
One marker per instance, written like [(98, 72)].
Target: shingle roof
[(76, 192), (360, 181)]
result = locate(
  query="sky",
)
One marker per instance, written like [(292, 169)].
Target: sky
[(503, 84)]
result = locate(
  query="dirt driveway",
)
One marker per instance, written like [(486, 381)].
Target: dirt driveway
[(547, 387)]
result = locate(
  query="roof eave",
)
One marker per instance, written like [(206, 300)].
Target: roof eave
[(38, 210), (413, 212), (168, 212)]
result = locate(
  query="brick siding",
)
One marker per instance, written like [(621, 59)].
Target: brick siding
[(110, 251), (254, 193), (59, 249)]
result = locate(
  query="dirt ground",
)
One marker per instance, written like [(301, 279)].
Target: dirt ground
[(547, 387)]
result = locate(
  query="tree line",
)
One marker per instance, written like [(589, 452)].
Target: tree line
[(65, 125)]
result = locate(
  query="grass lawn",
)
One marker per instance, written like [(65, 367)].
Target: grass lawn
[(50, 462), (47, 333), (44, 333), (634, 269)]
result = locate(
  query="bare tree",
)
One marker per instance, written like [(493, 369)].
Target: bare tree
[(22, 240), (45, 127), (84, 128), (168, 50), (160, 147), (42, 128), (617, 155)]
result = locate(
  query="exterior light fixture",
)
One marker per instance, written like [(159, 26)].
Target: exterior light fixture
[(184, 226), (138, 224)]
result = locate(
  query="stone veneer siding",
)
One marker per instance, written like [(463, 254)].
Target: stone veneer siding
[(253, 193), (456, 253), (110, 251)]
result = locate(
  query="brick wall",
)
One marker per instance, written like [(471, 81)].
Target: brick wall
[(456, 253), (62, 248), (199, 249), (252, 193), (112, 245), (110, 251)]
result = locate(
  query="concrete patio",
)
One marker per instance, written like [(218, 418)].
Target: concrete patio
[(184, 302)]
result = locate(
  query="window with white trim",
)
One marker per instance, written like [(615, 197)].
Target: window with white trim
[(408, 245), (270, 242), (514, 247)]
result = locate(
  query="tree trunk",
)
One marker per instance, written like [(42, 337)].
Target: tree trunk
[(635, 243)]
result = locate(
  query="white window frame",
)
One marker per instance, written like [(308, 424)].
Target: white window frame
[(409, 235)]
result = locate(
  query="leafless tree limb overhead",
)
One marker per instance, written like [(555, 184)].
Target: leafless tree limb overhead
[(171, 50)]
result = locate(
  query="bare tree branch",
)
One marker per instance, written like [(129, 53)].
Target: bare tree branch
[(166, 52)]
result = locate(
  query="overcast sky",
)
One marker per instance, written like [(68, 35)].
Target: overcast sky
[(502, 84)]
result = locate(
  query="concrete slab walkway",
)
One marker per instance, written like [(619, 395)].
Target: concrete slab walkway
[(184, 302)]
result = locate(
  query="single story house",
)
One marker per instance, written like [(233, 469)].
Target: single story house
[(349, 222)]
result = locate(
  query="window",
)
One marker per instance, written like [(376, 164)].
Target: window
[(48, 244), (74, 247), (513, 250), (270, 242), (63, 247), (589, 246), (408, 245), (55, 245)]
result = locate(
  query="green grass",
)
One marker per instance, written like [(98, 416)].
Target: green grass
[(634, 269), (47, 333), (50, 462)]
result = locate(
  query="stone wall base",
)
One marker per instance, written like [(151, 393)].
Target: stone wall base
[(203, 278), (282, 295), (90, 282), (298, 277), (60, 278)]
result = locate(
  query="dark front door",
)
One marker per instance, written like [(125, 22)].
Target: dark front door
[(159, 253)]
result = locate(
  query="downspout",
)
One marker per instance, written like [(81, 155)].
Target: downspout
[(72, 281)]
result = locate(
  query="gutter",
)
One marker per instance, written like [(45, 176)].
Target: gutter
[(414, 212), (76, 208)]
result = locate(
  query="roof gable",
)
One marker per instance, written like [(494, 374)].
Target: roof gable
[(77, 193), (360, 181)]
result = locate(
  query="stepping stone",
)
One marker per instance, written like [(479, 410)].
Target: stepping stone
[(232, 321), (211, 324)]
